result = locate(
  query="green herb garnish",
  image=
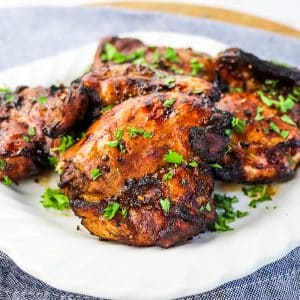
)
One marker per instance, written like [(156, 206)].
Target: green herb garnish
[(226, 212), (6, 180), (106, 108), (193, 164), (238, 125), (42, 100), (65, 142), (2, 164), (216, 166), (167, 176), (111, 210), (258, 193), (95, 173), (171, 55), (32, 131), (54, 198), (169, 102), (173, 157), (196, 66), (288, 120), (259, 115), (165, 204)]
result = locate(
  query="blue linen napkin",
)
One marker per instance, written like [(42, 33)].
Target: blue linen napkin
[(30, 33)]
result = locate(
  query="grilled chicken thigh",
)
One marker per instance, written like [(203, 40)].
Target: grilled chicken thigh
[(31, 120), (140, 175), (264, 98), (114, 50)]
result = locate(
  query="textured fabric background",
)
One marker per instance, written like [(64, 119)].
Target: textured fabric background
[(31, 33)]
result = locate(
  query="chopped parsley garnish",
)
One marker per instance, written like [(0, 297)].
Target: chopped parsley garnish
[(111, 210), (42, 100), (197, 91), (169, 102), (173, 157), (110, 53), (183, 181), (117, 143), (106, 108), (6, 180), (53, 161), (258, 193), (228, 149), (238, 125), (26, 138), (296, 92), (167, 176), (171, 55), (205, 208), (226, 212), (124, 212), (283, 133), (165, 204), (133, 132), (2, 164), (5, 89), (95, 173), (59, 171), (282, 104), (236, 90), (193, 164), (148, 135), (32, 131), (170, 82), (65, 142), (119, 134), (259, 115), (113, 144), (196, 66), (8, 99), (216, 166), (288, 120), (55, 198)]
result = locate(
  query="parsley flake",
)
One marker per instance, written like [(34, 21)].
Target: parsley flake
[(55, 198), (106, 108), (32, 131), (65, 142), (167, 176), (2, 164), (171, 55), (95, 173), (193, 164), (111, 210), (6, 180), (42, 100), (288, 120), (169, 102), (258, 193), (216, 166), (165, 204), (259, 115), (197, 67), (238, 125), (173, 157)]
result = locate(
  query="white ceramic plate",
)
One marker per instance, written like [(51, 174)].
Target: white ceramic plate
[(46, 244)]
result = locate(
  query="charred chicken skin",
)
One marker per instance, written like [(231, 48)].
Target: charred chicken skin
[(140, 175), (31, 121), (264, 98), (184, 61), (116, 83), (264, 145)]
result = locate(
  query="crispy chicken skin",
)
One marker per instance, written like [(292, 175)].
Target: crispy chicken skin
[(184, 61), (262, 153), (132, 170), (31, 121), (116, 83)]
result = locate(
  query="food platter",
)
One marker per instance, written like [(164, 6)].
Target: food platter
[(47, 244)]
